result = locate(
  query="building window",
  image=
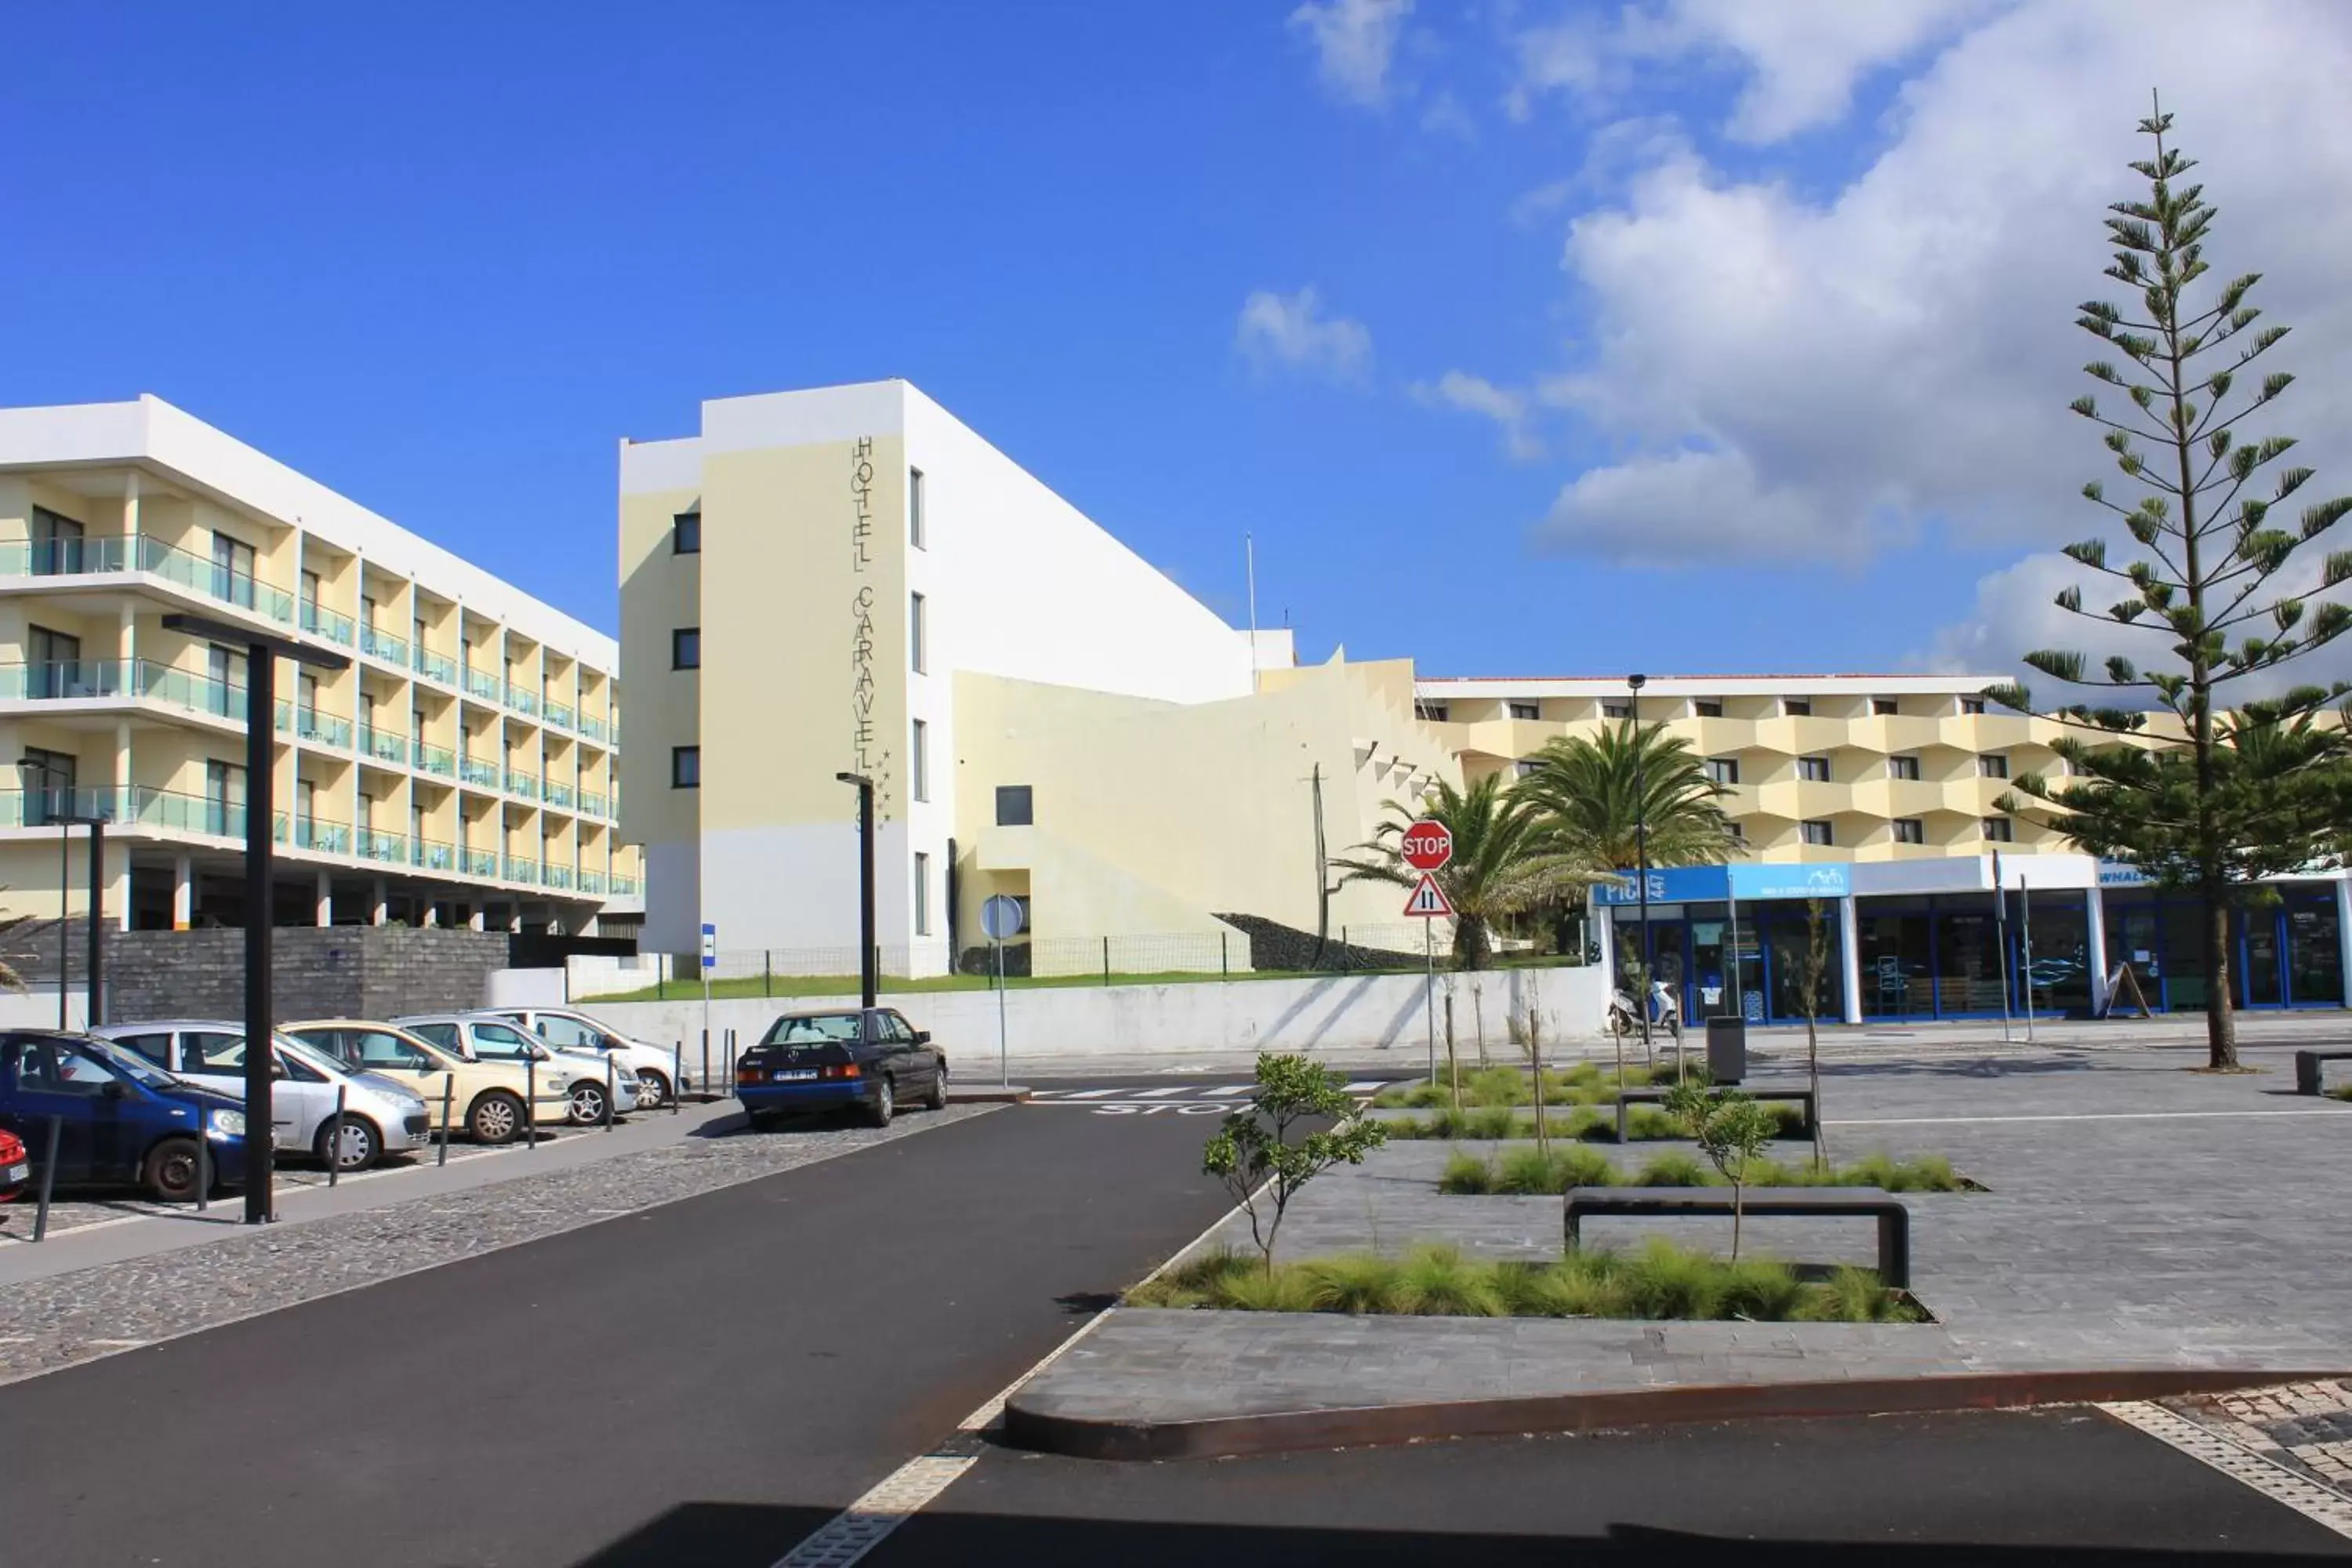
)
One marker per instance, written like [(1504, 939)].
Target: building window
[(1616, 709), (918, 749), (232, 570), (1813, 770), (1883, 706), (685, 767), (1707, 709), (1523, 767), (50, 787), (915, 533), (1993, 765), (1526, 711), (1723, 770), (1910, 830), (1433, 712), (1013, 806), (922, 894), (1797, 707), (1738, 832), (917, 634), (685, 534), (56, 543), (686, 648), (1903, 767), (2000, 829), (1972, 704), (1815, 831)]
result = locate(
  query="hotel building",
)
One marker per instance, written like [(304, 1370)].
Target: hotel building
[(462, 769)]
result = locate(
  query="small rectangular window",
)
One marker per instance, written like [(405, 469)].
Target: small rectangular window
[(1432, 712), (1992, 766), (1723, 770), (1523, 767), (917, 634), (916, 534), (2000, 829), (1881, 706), (922, 894), (1797, 707), (1972, 704), (1813, 770), (1616, 709), (1739, 832), (1903, 767), (1705, 709), (1526, 711), (685, 767), (918, 760), (1013, 806), (1816, 832), (1910, 830), (685, 534), (686, 648)]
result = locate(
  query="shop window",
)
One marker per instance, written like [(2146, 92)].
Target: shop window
[(2000, 829), (1910, 830), (1816, 833)]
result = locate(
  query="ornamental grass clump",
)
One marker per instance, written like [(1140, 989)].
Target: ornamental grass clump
[(1525, 1171), (1353, 1282), (1672, 1169), (1439, 1282), (1466, 1174)]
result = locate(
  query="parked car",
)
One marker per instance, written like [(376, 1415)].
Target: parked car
[(486, 1099), (490, 1038), (379, 1115), (122, 1119), (872, 1060), (15, 1166), (652, 1066)]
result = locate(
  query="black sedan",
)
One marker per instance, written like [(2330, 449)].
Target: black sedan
[(874, 1061)]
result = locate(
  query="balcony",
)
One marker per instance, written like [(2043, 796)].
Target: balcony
[(559, 795), (432, 855), (482, 684), (435, 667), (384, 745), (480, 774), (480, 862), (142, 553), (592, 804), (392, 848), (518, 869), (94, 679), (325, 837), (438, 760), (327, 623), (556, 877), (592, 882), (559, 715), (383, 646), (625, 886), (320, 729), (521, 700), (593, 729), (523, 785)]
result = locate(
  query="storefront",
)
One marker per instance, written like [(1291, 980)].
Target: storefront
[(2285, 952), (1763, 942)]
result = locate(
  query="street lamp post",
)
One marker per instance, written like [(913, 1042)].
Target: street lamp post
[(1633, 684), (263, 651), (868, 959)]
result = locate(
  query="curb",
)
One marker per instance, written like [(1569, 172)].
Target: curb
[(987, 1093), (1229, 1436)]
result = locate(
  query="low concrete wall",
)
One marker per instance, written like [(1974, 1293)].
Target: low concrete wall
[(1324, 1015)]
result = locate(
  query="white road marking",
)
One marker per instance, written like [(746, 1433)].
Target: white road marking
[(1092, 1093), (1162, 1093), (1230, 1089), (2320, 1504), (2079, 1116), (1370, 1086)]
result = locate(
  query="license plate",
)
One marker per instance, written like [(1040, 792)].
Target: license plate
[(787, 1075), (19, 1173)]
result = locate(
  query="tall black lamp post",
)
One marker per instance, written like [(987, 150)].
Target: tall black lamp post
[(1633, 684), (262, 653), (868, 958)]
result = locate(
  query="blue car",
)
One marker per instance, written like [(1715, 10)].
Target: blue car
[(872, 1061), (122, 1121)]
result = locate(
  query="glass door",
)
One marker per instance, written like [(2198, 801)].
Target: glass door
[(2260, 976), (2314, 959)]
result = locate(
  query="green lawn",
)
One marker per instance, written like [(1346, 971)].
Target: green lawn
[(786, 985)]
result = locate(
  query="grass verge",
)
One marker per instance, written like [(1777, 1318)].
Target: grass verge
[(1535, 1171), (1644, 1123), (1585, 1083)]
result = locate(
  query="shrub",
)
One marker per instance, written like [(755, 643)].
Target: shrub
[(1662, 1280), (1444, 1122), (1648, 1122), (1852, 1296), (1466, 1173), (1584, 1285), (1438, 1281), (1591, 1126), (1417, 1097), (1354, 1282), (1582, 1167), (1490, 1121), (1497, 1086), (1675, 1170), (1760, 1290), (1288, 1289), (1527, 1171)]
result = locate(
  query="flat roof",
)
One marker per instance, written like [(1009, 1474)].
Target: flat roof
[(1912, 684)]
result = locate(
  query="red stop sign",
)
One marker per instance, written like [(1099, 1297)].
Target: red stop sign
[(1427, 846)]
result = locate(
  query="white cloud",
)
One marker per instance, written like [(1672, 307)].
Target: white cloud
[(1475, 394), (1290, 332), (1355, 42)]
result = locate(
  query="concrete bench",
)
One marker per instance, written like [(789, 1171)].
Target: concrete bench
[(1630, 1097), (1894, 1219), (2306, 1067)]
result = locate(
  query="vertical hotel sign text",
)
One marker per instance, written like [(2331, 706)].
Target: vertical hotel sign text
[(861, 604)]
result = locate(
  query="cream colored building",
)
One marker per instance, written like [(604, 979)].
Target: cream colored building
[(462, 770)]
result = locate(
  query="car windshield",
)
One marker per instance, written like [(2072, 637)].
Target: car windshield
[(310, 1055), (129, 1063), (821, 1029)]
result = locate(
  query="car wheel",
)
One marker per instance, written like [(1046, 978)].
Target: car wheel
[(496, 1118), (653, 1090), (360, 1143), (587, 1102), (170, 1173), (937, 1098), (879, 1109)]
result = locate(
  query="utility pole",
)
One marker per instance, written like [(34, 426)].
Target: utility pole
[(1633, 684), (868, 960)]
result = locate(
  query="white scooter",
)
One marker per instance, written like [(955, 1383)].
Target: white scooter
[(1666, 1011)]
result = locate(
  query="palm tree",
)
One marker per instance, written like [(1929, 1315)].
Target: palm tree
[(1506, 858), (1587, 789)]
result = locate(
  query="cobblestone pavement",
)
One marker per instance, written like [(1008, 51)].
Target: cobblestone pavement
[(54, 1322), (2307, 1426)]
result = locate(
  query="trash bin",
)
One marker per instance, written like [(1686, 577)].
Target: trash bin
[(1726, 1049)]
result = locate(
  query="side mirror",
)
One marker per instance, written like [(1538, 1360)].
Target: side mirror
[(277, 1070), (115, 1089), (922, 1037)]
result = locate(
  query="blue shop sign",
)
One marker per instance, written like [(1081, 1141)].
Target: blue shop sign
[(1714, 884), (2121, 874), (1805, 880)]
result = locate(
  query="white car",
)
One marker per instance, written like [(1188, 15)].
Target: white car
[(654, 1067), (381, 1116), (490, 1038)]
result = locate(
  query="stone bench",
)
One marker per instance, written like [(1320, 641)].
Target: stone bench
[(1804, 1097), (2306, 1067), (1894, 1219)]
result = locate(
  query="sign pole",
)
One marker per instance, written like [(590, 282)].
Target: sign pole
[(2025, 935), (1429, 993), (709, 962), (1427, 847), (1001, 916), (2001, 939), (1003, 1059)]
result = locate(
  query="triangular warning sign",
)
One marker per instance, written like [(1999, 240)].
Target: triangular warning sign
[(1428, 900)]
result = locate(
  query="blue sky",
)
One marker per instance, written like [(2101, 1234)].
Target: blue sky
[(443, 257)]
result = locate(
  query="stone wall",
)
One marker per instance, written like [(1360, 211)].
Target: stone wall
[(362, 971)]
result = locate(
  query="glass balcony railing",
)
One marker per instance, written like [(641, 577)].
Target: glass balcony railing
[(326, 837), (433, 759), (321, 729), (475, 772), (392, 848), (518, 869), (321, 622), (593, 728), (143, 553), (559, 795), (623, 887), (559, 715), (523, 785), (592, 881), (383, 645), (385, 745), (556, 875), (435, 667), (480, 862), (91, 679), (432, 855), (591, 804), (482, 683), (521, 700)]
